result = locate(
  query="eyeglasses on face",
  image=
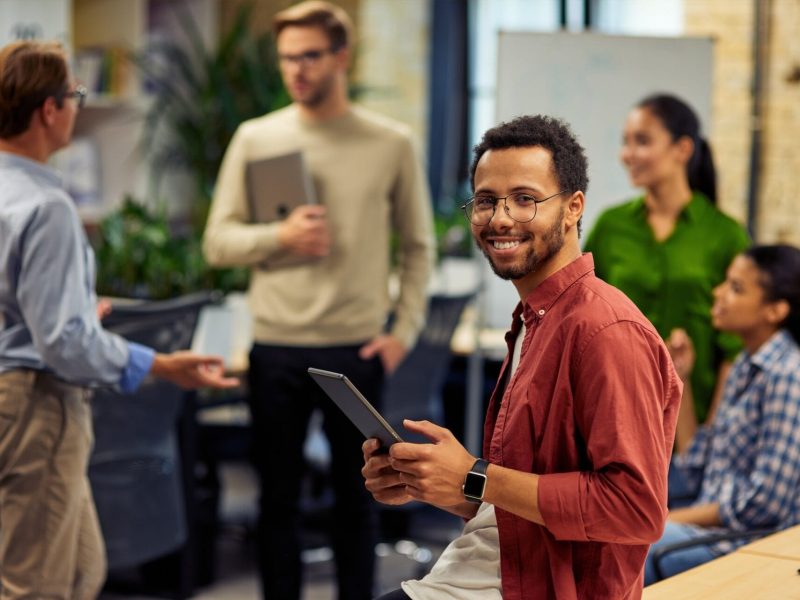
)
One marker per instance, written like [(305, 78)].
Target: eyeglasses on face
[(519, 206), (309, 58), (79, 93)]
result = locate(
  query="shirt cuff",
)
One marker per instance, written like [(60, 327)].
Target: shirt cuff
[(140, 359), (559, 504)]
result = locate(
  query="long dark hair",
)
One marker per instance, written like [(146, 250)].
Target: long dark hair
[(780, 269), (680, 120)]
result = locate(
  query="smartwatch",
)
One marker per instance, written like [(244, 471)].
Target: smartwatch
[(475, 482)]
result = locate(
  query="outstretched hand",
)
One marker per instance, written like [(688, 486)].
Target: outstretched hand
[(190, 370)]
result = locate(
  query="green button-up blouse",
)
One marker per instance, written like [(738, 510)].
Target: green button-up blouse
[(671, 281)]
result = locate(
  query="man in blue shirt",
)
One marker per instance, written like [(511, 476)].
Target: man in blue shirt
[(52, 346)]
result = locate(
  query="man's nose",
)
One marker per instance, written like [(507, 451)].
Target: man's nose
[(501, 216)]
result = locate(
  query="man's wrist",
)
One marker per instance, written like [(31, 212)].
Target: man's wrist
[(475, 482)]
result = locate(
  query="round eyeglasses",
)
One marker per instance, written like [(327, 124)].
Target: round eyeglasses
[(519, 206)]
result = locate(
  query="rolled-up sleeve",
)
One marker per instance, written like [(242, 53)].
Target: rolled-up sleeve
[(626, 396)]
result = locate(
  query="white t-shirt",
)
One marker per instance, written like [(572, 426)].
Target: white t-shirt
[(469, 568)]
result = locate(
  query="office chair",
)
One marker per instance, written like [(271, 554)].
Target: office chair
[(414, 392), (141, 469)]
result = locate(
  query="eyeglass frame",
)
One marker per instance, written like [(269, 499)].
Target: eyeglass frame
[(307, 59), (536, 202), (79, 93)]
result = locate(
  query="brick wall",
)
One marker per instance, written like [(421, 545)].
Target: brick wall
[(730, 23)]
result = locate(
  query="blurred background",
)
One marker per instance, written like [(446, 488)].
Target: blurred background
[(170, 80)]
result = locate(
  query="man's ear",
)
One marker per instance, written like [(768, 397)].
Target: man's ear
[(573, 211), (47, 111), (343, 57)]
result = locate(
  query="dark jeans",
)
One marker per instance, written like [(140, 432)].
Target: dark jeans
[(282, 398)]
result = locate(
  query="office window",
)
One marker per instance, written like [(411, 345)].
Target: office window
[(488, 17)]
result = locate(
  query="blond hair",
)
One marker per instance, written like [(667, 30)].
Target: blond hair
[(332, 19)]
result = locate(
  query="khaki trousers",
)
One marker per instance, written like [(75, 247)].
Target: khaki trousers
[(51, 546)]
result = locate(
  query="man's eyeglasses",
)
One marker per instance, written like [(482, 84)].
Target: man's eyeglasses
[(519, 206), (79, 93), (309, 58)]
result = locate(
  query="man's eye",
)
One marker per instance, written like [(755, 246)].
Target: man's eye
[(484, 202), (524, 199)]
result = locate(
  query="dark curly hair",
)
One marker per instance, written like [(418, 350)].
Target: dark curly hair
[(569, 158)]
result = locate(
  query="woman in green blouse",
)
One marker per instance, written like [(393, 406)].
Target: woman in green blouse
[(668, 248)]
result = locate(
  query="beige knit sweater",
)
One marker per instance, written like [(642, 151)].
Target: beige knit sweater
[(367, 175)]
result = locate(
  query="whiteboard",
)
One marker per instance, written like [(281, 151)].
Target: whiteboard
[(592, 81)]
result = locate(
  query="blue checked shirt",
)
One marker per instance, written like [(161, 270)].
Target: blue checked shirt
[(748, 460)]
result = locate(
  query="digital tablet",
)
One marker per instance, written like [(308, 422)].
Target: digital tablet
[(276, 186), (357, 408)]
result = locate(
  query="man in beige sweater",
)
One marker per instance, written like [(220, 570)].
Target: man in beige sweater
[(328, 309)]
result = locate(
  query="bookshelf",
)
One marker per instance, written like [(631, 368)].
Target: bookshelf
[(108, 131)]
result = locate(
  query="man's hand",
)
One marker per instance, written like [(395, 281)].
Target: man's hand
[(190, 370), (435, 472), (681, 350), (305, 231), (391, 350), (382, 481), (103, 308)]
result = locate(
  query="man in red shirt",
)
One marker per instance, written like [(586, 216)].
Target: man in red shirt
[(579, 430)]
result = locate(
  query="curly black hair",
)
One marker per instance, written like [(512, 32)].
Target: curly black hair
[(569, 158)]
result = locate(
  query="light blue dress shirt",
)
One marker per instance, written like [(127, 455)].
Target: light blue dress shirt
[(48, 319)]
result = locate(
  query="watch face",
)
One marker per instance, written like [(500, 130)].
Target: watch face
[(473, 485)]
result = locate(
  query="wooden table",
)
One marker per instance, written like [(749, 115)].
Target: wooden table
[(765, 569), (785, 544), (739, 575)]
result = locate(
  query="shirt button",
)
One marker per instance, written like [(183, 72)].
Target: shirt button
[(541, 312)]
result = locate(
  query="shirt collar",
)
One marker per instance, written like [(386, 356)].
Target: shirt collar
[(771, 351), (33, 168), (691, 213), (538, 302)]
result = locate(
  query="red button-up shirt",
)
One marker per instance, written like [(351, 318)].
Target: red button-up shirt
[(592, 408)]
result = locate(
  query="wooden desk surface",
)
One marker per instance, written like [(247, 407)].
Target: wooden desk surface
[(784, 544), (733, 577)]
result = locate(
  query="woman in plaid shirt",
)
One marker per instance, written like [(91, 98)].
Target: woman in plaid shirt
[(742, 470)]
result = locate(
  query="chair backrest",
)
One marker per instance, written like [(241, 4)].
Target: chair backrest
[(414, 390), (135, 468)]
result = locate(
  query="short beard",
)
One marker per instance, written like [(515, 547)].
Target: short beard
[(320, 95), (553, 240)]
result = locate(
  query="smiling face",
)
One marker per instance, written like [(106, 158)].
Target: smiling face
[(648, 151), (308, 65), (741, 306), (526, 253)]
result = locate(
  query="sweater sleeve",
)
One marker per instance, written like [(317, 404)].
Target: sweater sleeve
[(413, 221), (230, 239), (626, 400)]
